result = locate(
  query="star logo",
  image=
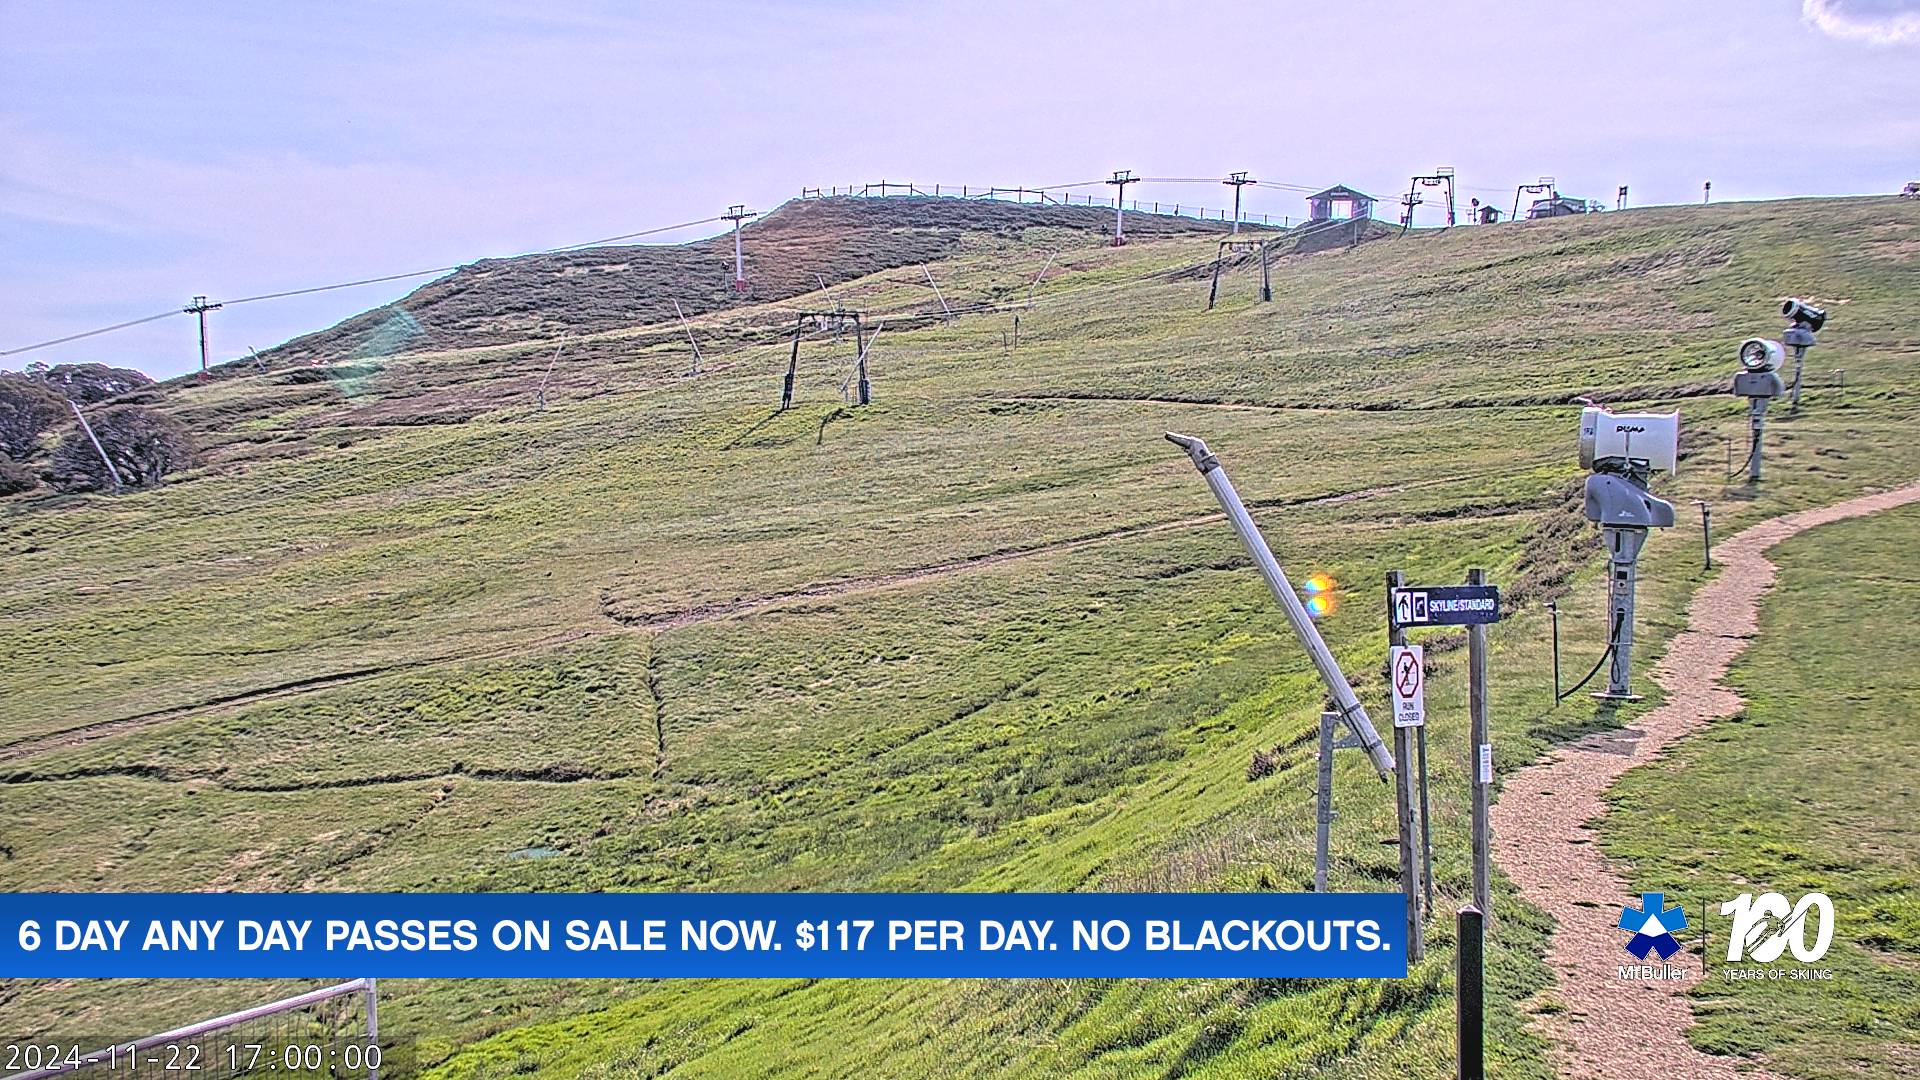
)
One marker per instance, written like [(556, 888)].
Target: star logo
[(1652, 926)]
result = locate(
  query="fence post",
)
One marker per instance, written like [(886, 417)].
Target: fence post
[(373, 1025), (1469, 976)]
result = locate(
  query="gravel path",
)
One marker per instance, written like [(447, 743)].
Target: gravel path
[(1544, 827)]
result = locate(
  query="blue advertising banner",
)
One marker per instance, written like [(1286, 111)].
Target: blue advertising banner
[(703, 935)]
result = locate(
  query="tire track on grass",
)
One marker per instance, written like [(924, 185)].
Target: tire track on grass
[(677, 618), (1544, 824), (81, 734)]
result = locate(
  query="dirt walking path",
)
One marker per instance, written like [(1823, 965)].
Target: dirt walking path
[(1544, 826)]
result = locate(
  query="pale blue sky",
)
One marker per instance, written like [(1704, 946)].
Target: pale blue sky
[(151, 152)]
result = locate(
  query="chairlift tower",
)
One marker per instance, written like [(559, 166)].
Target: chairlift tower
[(199, 308), (1237, 180), (737, 213), (1121, 178), (1440, 177), (1545, 186)]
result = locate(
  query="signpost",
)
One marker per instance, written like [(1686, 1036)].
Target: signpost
[(1412, 863), (1475, 606)]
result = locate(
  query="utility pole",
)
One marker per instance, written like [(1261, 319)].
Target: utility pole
[(737, 213), (1238, 180), (200, 307), (97, 448), (1121, 178)]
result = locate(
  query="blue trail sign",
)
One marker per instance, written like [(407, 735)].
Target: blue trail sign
[(1443, 605)]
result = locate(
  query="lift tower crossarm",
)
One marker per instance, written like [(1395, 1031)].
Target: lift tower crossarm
[(1345, 702)]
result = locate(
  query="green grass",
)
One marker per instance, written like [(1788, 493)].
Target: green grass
[(1812, 788), (984, 634)]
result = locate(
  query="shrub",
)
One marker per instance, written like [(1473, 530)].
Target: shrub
[(144, 445), (90, 383), (26, 409), (15, 477)]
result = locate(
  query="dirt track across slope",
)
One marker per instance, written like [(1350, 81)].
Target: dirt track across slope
[(1544, 826)]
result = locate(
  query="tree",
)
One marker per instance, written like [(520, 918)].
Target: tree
[(26, 410), (90, 384), (144, 445)]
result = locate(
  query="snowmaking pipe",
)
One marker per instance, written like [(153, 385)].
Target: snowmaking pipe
[(1345, 702)]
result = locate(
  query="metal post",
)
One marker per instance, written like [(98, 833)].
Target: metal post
[(793, 365), (1482, 749), (1403, 804), (1799, 359), (1266, 275), (1426, 818), (1706, 532), (1324, 815), (1351, 711), (1553, 612), (97, 448), (1623, 553), (690, 340), (1757, 426), (1035, 283), (1469, 992), (373, 1025), (866, 388), (936, 291), (1213, 291)]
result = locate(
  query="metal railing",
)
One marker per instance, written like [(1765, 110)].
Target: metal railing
[(122, 1058)]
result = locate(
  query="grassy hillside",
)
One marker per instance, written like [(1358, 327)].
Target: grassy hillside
[(405, 629), (1813, 789), (790, 251)]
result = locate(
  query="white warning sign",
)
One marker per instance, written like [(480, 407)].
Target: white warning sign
[(1408, 664)]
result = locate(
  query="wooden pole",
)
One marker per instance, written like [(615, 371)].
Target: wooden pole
[(1482, 751), (1403, 801), (1323, 807)]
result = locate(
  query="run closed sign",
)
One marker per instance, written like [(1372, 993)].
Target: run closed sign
[(1444, 605)]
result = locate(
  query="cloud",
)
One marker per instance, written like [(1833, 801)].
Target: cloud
[(1877, 22)]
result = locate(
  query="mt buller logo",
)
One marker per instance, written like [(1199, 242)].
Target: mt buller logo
[(1653, 926)]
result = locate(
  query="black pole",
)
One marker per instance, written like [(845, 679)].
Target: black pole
[(1553, 612), (1470, 972)]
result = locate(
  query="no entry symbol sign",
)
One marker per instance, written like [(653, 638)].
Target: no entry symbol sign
[(1408, 664)]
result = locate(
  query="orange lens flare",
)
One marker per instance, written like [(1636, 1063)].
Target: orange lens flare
[(1320, 589)]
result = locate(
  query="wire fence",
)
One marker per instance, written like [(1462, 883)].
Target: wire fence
[(1043, 196)]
